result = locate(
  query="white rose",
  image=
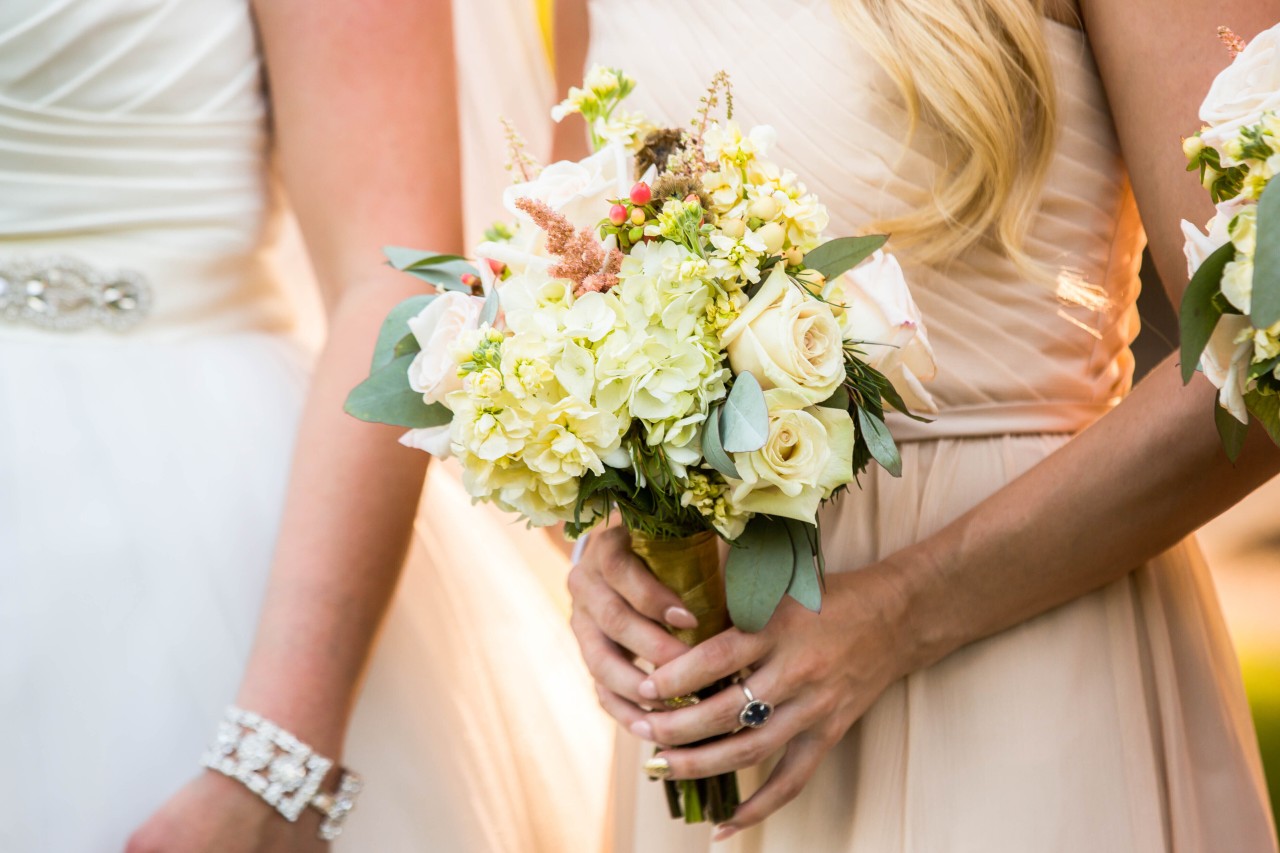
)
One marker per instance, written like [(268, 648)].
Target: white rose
[(882, 318), (434, 440), (788, 340), (809, 453), (1225, 362), (434, 371), (1243, 91), (579, 191), (1237, 284)]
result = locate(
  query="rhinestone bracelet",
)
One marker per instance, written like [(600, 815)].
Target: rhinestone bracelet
[(280, 769)]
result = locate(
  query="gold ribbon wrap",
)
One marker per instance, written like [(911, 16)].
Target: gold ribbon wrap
[(689, 567)]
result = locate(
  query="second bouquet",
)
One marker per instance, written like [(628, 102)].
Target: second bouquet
[(665, 332)]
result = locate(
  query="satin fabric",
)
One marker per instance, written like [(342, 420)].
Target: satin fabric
[(1116, 722)]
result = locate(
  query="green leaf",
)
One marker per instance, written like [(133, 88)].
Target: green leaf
[(489, 313), (842, 254), (408, 345), (893, 398), (1265, 304), (386, 398), (441, 270), (804, 586), (713, 449), (758, 572), (392, 333), (407, 259), (744, 423), (1262, 368), (1266, 408), (839, 400), (880, 442), (1199, 315), (1230, 430)]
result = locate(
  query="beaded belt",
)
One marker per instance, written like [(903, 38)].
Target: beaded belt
[(64, 294)]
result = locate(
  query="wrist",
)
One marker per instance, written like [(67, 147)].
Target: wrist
[(917, 614)]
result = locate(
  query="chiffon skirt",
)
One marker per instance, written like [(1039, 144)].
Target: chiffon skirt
[(1116, 723), (140, 490)]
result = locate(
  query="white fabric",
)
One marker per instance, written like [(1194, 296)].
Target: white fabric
[(141, 480), (1114, 723)]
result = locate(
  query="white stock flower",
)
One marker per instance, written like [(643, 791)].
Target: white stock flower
[(438, 327), (787, 340), (725, 143), (738, 257), (883, 320), (808, 454), (1245, 89), (1225, 362), (581, 190), (1237, 283)]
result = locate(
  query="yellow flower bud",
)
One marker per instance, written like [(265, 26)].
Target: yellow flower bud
[(764, 208), (734, 228), (1192, 146)]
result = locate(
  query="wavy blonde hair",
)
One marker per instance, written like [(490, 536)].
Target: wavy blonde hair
[(978, 72)]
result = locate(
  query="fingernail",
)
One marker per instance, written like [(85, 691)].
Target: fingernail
[(678, 617), (648, 689), (657, 767), (642, 730), (724, 831)]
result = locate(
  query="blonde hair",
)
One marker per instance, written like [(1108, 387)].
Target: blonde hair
[(978, 72)]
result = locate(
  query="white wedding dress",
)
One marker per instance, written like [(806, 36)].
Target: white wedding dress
[(1113, 724), (142, 472)]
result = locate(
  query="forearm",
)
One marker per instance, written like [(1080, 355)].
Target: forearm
[(348, 516), (1142, 478)]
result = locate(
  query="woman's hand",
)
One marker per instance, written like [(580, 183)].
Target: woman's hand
[(820, 671), (619, 609), (214, 814)]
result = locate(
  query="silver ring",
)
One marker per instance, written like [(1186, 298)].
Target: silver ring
[(756, 712)]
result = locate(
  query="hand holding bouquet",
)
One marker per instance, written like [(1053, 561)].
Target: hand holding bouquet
[(1230, 314), (664, 332)]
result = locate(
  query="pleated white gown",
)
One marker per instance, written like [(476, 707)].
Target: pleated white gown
[(1114, 724), (142, 475)]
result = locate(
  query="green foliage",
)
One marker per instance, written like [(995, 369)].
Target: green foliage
[(805, 586), (838, 256), (758, 572), (1230, 430), (395, 329), (879, 442), (1266, 408), (492, 303), (712, 447), (442, 270), (744, 423), (1200, 313), (386, 398), (1265, 306)]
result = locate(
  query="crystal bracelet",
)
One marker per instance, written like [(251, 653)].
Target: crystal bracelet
[(282, 770)]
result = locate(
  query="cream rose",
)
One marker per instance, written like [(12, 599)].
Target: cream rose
[(788, 340), (434, 371), (1243, 91), (578, 190), (882, 318), (1226, 360), (808, 454)]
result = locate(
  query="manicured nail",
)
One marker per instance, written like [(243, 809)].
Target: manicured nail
[(657, 767), (648, 690), (678, 617), (642, 730), (724, 831)]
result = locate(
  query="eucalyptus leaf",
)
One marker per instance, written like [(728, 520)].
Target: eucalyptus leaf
[(394, 328), (804, 586), (838, 256), (1265, 304), (880, 442), (408, 345), (713, 450), (447, 276), (1230, 430), (758, 572), (386, 398), (1266, 408), (744, 423), (489, 313), (1199, 315), (406, 259)]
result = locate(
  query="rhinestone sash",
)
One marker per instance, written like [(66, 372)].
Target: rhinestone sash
[(62, 293)]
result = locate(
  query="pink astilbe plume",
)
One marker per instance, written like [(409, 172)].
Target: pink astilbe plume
[(1235, 45), (583, 259)]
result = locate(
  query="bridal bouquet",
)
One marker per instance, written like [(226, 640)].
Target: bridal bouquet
[(1230, 314), (664, 331)]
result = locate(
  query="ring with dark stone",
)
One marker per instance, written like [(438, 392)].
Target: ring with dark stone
[(756, 712)]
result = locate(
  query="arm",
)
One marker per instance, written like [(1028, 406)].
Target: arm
[(364, 166), (1045, 539), (572, 32)]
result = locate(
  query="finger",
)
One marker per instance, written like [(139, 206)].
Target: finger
[(608, 666), (715, 715), (630, 577), (619, 708), (620, 622), (725, 654), (747, 748), (792, 773)]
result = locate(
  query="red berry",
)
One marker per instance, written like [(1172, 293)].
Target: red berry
[(617, 214), (469, 280), (497, 267), (641, 194)]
